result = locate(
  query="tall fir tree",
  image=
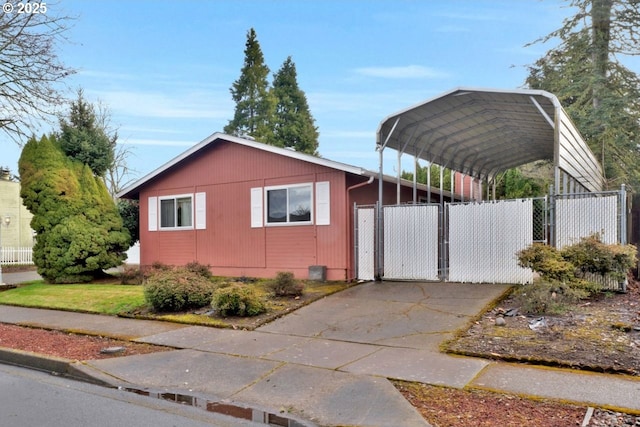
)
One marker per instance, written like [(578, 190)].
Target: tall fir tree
[(293, 124), (254, 103), (600, 94), (81, 138)]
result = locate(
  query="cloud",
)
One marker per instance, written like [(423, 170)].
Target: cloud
[(404, 72), (107, 75), (199, 105)]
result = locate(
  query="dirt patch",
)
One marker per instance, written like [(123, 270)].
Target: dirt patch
[(602, 335)]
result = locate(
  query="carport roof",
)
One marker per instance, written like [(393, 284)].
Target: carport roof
[(483, 132)]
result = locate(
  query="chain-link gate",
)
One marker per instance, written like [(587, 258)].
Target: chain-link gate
[(479, 241), (484, 239), (364, 241), (411, 242), (579, 215), (585, 214)]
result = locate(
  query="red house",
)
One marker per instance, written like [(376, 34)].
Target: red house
[(251, 209)]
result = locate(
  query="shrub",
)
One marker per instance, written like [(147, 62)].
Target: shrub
[(159, 266), (177, 289), (562, 273), (285, 285), (132, 276), (590, 255), (546, 297), (201, 269), (237, 300), (547, 261)]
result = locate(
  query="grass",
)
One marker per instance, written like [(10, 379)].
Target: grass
[(128, 301), (91, 298)]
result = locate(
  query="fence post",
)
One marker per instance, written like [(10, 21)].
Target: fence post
[(378, 244), (552, 216), (623, 214)]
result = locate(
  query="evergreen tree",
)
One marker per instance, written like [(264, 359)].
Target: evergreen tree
[(434, 171), (81, 138), (599, 93), (254, 103), (130, 213), (293, 124), (78, 229)]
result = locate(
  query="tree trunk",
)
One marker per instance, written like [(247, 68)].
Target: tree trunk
[(601, 32)]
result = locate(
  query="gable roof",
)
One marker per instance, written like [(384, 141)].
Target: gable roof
[(132, 190)]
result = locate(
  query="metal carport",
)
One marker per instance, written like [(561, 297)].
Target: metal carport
[(480, 133), (484, 132)]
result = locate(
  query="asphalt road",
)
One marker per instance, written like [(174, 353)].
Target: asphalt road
[(37, 399)]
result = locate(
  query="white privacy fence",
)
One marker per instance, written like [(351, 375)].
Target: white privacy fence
[(586, 214), (478, 241), (484, 239), (16, 256)]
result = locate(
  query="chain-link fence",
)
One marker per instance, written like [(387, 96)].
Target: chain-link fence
[(479, 241)]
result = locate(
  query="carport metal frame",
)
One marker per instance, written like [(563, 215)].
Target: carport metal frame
[(485, 132)]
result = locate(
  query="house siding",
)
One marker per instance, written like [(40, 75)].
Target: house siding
[(227, 172)]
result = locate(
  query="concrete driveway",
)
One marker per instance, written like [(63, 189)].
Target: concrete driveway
[(417, 315)]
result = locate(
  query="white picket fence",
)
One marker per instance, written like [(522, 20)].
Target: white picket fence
[(16, 256)]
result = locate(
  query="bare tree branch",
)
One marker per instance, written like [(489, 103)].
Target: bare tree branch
[(30, 70)]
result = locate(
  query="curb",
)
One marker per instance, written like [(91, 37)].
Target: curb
[(57, 366)]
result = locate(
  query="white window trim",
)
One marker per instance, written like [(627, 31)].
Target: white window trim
[(175, 197), (287, 223)]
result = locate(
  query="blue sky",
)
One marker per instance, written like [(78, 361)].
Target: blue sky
[(164, 68)]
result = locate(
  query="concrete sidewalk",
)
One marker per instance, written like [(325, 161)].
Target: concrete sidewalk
[(329, 362)]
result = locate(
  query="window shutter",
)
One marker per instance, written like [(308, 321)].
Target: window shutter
[(201, 211), (256, 207), (153, 213), (323, 205)]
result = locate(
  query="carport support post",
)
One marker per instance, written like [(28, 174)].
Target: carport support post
[(378, 234), (380, 203)]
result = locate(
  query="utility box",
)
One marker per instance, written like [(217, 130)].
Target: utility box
[(318, 273)]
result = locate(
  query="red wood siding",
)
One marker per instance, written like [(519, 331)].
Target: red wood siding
[(226, 172)]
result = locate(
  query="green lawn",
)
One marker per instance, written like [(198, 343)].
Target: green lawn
[(128, 300), (99, 298)]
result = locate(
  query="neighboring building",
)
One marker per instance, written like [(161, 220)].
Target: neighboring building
[(251, 209), (18, 233)]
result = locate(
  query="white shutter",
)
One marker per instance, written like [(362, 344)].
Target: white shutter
[(323, 204), (201, 211), (256, 207), (153, 213)]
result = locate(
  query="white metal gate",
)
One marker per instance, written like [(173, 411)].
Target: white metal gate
[(365, 231), (484, 239), (478, 242), (411, 239)]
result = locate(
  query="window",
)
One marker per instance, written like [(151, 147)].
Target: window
[(289, 205), (176, 212)]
